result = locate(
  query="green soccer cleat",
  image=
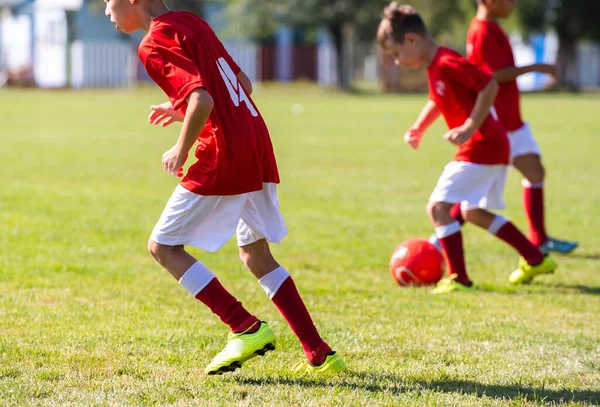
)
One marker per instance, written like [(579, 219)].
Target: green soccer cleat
[(525, 273), (448, 285), (240, 348), (332, 364)]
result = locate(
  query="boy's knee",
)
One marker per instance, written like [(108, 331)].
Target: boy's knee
[(161, 253), (246, 257), (436, 209)]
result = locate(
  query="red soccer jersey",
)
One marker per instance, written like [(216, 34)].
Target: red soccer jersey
[(234, 153), (454, 84), (489, 47)]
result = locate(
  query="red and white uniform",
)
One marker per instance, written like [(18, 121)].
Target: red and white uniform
[(232, 184), (488, 47), (477, 174)]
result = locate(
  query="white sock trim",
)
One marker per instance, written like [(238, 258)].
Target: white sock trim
[(196, 278), (527, 184), (497, 224), (272, 281), (447, 230)]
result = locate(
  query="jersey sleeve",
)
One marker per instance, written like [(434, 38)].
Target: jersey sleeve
[(490, 55), (173, 69), (465, 73)]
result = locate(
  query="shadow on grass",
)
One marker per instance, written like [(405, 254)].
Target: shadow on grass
[(585, 256), (583, 289), (396, 385)]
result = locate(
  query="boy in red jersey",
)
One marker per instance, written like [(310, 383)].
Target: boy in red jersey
[(231, 188), (489, 48), (464, 95)]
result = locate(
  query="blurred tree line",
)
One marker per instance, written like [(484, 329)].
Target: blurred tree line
[(357, 20), (350, 20)]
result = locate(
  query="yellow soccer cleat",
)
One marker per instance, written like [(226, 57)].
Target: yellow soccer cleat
[(525, 273), (332, 364), (240, 348), (448, 285)]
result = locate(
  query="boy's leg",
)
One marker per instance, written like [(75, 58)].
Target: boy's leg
[(526, 157), (449, 234), (261, 222), (207, 222), (530, 166), (533, 260), (281, 289), (202, 284), (457, 215), (502, 228)]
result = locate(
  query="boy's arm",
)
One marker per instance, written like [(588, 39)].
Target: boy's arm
[(511, 73), (483, 104), (200, 105), (428, 116), (486, 52)]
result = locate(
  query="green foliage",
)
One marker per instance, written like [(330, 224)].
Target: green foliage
[(572, 19), (261, 17)]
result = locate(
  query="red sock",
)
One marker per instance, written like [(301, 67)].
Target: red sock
[(227, 307), (456, 213), (453, 248), (511, 235), (288, 302), (533, 202)]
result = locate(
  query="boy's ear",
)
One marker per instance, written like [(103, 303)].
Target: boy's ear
[(411, 38)]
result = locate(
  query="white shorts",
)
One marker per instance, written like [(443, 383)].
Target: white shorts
[(208, 222), (522, 142), (474, 185)]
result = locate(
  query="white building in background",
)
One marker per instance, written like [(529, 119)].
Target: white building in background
[(33, 33)]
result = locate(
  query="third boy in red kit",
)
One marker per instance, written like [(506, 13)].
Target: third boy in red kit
[(475, 178), (230, 189)]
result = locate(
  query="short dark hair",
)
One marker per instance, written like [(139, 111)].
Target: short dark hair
[(399, 20)]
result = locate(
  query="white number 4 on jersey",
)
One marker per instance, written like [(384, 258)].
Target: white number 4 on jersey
[(236, 91)]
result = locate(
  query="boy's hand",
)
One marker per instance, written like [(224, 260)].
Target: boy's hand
[(413, 137), (547, 69), (173, 161), (459, 135), (164, 113)]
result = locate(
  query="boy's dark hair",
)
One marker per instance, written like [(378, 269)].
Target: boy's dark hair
[(401, 20)]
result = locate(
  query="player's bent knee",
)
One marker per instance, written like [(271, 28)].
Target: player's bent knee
[(430, 209), (435, 210), (162, 253), (245, 257)]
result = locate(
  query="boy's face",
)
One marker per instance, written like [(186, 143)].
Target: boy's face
[(124, 14), (407, 54), (500, 8)]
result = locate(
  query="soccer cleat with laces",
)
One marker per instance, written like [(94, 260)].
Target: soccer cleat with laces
[(332, 364), (240, 348), (525, 273)]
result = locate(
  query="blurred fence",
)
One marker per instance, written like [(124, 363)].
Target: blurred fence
[(103, 65), (114, 64)]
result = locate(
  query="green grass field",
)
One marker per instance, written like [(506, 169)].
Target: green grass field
[(88, 319)]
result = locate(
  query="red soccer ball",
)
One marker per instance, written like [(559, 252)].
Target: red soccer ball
[(417, 262)]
